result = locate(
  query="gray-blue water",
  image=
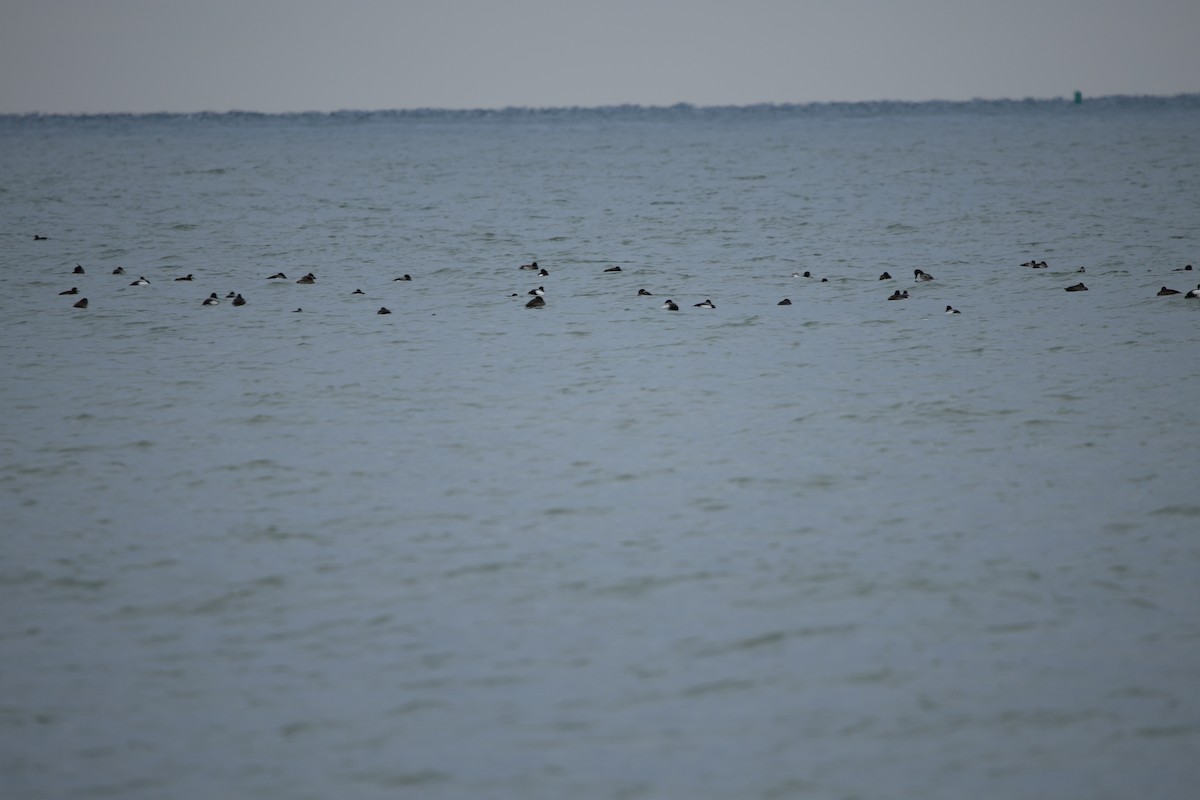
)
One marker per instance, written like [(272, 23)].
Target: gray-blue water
[(845, 548)]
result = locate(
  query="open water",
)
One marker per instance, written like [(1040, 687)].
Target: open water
[(843, 548)]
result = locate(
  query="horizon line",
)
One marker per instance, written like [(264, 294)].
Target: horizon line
[(602, 107)]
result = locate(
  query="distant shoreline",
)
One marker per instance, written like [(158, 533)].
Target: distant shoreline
[(678, 108)]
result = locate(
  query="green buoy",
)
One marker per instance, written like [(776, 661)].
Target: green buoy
[(1078, 97)]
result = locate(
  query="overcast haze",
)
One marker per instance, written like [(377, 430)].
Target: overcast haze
[(82, 56)]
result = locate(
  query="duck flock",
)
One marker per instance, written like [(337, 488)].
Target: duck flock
[(539, 294)]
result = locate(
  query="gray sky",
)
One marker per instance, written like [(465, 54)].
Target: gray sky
[(302, 55)]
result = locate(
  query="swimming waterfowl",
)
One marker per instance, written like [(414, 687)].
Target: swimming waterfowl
[(357, 291), (899, 295), (1079, 287), (298, 310), (784, 302), (37, 238), (952, 310), (231, 295), (922, 275), (140, 282), (644, 293), (670, 306), (798, 275), (309, 278), (536, 302), (187, 277), (885, 277), (82, 303), (613, 269), (1188, 268), (382, 310), (211, 300), (277, 276), (78, 270), (529, 266), (1164, 291), (404, 277), (705, 304), (239, 301), (542, 273), (1081, 269), (1035, 264), (539, 291), (72, 290), (1194, 293), (119, 271)]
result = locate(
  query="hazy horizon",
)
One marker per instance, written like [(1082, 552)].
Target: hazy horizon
[(1064, 98), (276, 56)]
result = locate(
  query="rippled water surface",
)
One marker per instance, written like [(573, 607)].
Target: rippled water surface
[(843, 548)]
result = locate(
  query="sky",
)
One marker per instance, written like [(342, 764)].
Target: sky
[(98, 56)]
